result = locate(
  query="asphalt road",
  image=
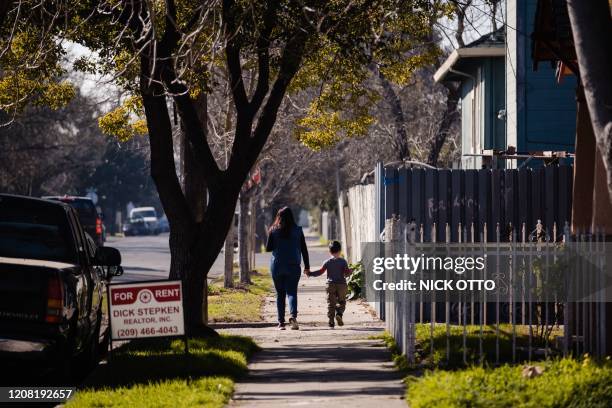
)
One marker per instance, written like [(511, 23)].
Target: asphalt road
[(148, 257)]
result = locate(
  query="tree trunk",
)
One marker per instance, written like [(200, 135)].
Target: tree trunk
[(185, 265), (194, 186), (252, 233), (184, 209), (228, 274), (198, 229), (243, 238), (401, 137), (209, 240), (230, 240), (592, 30), (450, 115)]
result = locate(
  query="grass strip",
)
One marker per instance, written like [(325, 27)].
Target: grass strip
[(563, 383), (157, 373), (242, 303)]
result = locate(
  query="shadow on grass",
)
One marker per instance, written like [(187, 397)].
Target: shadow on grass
[(150, 360), (454, 348), (482, 345)]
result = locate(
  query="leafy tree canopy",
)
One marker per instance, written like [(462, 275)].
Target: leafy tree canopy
[(31, 54), (344, 40), (179, 50)]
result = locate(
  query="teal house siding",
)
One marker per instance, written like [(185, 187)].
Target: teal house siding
[(495, 102), (504, 102), (480, 106), (483, 99), (547, 118)]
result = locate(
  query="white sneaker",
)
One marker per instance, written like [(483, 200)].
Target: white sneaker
[(294, 324)]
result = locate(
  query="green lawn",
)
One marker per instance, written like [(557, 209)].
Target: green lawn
[(425, 359), (157, 373), (564, 383), (450, 383), (472, 344), (241, 304)]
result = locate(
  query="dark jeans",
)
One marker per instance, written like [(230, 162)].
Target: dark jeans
[(286, 285)]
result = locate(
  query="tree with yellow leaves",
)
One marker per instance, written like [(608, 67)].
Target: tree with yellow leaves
[(170, 54)]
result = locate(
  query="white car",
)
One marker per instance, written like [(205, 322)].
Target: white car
[(149, 215)]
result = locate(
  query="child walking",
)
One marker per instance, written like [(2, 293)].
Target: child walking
[(337, 270)]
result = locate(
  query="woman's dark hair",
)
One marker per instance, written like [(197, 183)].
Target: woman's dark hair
[(284, 221)]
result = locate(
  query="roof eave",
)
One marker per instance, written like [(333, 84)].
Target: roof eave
[(456, 55)]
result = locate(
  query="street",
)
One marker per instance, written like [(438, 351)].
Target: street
[(148, 257)]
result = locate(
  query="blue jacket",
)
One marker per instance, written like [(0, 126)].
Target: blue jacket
[(287, 251)]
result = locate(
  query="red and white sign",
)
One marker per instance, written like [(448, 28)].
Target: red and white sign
[(148, 309)]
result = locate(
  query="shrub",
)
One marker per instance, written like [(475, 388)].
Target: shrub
[(355, 282)]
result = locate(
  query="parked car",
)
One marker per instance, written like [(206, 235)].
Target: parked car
[(88, 215), (148, 215), (136, 226), (52, 282)]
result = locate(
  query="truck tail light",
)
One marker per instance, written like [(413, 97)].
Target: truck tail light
[(55, 299), (98, 226)]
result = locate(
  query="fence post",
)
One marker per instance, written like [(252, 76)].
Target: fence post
[(497, 276), (421, 303), (409, 298), (432, 314), (472, 304), (447, 300), (391, 238), (567, 305), (513, 293)]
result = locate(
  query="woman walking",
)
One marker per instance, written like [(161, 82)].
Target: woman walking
[(287, 243)]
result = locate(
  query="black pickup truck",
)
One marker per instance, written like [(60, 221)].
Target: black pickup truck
[(52, 282)]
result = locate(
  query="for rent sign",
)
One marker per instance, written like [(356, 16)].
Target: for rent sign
[(146, 309)]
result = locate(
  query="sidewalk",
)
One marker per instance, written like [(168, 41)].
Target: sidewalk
[(317, 366)]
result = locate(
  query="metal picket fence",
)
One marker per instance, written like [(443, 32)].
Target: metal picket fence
[(475, 329)]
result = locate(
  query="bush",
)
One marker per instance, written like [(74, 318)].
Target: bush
[(356, 281), (564, 383)]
